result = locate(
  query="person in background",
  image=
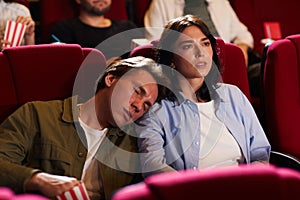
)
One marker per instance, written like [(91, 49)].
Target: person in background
[(49, 147), (204, 123), (19, 13), (218, 13), (221, 20), (91, 27)]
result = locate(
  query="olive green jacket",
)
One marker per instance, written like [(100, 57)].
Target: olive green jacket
[(46, 136)]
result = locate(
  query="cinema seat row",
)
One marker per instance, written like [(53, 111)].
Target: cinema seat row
[(245, 182), (45, 72), (281, 94)]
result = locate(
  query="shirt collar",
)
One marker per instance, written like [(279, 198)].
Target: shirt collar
[(70, 110), (219, 95)]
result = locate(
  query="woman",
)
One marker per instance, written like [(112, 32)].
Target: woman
[(204, 123)]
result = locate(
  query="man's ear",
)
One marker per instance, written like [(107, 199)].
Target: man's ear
[(110, 79)]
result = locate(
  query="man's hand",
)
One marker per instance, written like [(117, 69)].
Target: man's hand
[(50, 185)]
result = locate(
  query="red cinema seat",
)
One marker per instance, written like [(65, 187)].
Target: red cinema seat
[(117, 10), (139, 8), (233, 66), (265, 181), (49, 71), (8, 194), (8, 97), (281, 88), (43, 72), (253, 13)]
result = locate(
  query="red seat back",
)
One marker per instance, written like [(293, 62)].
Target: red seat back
[(253, 13), (8, 194), (46, 72), (267, 181), (233, 66), (8, 97), (139, 8), (281, 86)]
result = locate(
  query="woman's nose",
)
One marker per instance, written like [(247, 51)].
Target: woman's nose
[(199, 51)]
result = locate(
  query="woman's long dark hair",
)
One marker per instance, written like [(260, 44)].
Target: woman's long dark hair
[(165, 53)]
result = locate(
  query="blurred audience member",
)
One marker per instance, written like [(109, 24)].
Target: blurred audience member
[(19, 13), (91, 27)]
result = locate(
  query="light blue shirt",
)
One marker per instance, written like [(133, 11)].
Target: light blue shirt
[(169, 134)]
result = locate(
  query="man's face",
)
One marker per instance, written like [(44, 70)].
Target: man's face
[(95, 7), (131, 96)]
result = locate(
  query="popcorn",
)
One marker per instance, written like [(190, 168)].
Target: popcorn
[(14, 33), (76, 193)]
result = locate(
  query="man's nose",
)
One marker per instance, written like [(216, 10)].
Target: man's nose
[(136, 107)]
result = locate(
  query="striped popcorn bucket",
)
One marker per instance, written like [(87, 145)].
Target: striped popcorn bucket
[(14, 33), (77, 193)]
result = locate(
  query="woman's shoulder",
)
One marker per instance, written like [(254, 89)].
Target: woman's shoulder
[(229, 89)]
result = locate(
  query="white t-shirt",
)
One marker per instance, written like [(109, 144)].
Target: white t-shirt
[(91, 172), (217, 146)]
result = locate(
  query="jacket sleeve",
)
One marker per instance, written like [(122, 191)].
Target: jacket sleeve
[(16, 136)]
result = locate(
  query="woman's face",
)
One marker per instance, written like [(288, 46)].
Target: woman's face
[(193, 53)]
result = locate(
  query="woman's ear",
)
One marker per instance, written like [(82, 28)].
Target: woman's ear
[(110, 79)]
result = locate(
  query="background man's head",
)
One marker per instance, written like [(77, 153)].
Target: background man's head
[(94, 7)]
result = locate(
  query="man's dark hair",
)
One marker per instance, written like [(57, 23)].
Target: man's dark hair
[(119, 67)]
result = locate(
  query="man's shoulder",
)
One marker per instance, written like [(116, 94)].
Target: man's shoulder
[(46, 103)]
